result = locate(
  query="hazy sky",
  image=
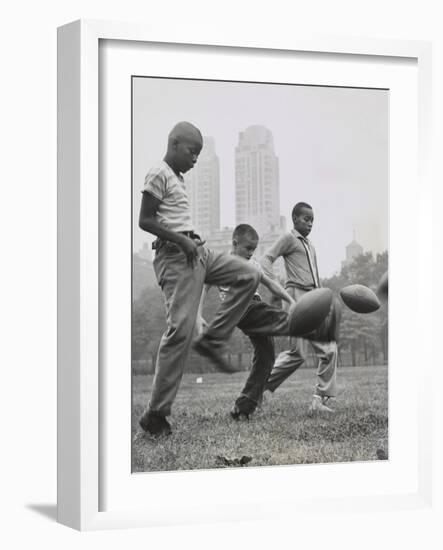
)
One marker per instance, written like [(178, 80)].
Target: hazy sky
[(332, 146)]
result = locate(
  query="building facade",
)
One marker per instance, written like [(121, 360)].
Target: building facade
[(204, 190), (257, 189)]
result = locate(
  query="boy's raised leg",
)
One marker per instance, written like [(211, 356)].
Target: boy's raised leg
[(243, 279)]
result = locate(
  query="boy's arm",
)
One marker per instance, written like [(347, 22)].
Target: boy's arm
[(277, 289), (278, 249)]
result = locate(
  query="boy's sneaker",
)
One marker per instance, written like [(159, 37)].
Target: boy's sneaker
[(154, 423), (318, 405), (204, 347), (266, 399)]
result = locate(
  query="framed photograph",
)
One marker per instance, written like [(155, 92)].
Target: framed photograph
[(239, 148)]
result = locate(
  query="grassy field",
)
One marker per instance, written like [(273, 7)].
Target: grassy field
[(283, 432)]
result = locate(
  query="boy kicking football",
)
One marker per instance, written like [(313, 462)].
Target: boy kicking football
[(260, 322)]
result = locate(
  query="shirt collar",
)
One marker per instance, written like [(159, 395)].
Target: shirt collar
[(298, 235), (180, 176)]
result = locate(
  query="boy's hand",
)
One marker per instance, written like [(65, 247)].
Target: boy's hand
[(190, 248), (276, 301)]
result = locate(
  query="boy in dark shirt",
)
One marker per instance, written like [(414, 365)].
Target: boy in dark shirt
[(259, 322)]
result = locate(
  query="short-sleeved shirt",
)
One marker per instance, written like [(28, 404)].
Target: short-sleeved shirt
[(164, 184), (299, 258), (225, 289)]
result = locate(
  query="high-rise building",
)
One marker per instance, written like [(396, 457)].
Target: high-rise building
[(204, 190), (221, 240), (257, 193)]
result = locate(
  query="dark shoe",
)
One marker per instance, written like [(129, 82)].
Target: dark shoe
[(154, 423), (245, 404), (204, 347), (238, 415)]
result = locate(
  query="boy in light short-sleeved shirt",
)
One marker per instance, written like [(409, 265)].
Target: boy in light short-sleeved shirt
[(182, 266)]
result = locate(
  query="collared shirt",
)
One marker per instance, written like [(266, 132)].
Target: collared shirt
[(299, 258), (225, 289), (173, 211)]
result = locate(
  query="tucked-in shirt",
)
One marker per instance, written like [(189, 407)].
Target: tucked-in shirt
[(164, 184), (299, 258), (225, 289)]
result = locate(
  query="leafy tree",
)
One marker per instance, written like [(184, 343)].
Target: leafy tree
[(363, 335), (148, 324)]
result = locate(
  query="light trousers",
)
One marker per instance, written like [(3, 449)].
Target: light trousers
[(289, 361), (182, 287)]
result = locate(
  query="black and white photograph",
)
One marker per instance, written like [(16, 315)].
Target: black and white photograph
[(260, 250)]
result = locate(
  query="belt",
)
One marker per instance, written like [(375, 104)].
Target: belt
[(190, 234), (160, 242), (291, 284)]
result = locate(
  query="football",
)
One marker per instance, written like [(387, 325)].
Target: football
[(310, 311), (382, 289), (360, 298)]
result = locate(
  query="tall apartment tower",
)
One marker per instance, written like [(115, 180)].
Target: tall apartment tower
[(204, 190), (257, 193)]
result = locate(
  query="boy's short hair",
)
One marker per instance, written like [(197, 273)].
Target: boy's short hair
[(296, 211), (183, 128), (244, 229)]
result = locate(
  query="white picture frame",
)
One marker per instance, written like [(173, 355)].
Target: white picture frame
[(80, 393)]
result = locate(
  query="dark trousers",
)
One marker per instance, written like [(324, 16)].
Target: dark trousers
[(260, 323)]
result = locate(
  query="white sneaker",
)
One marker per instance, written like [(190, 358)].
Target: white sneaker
[(266, 399), (318, 405)]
